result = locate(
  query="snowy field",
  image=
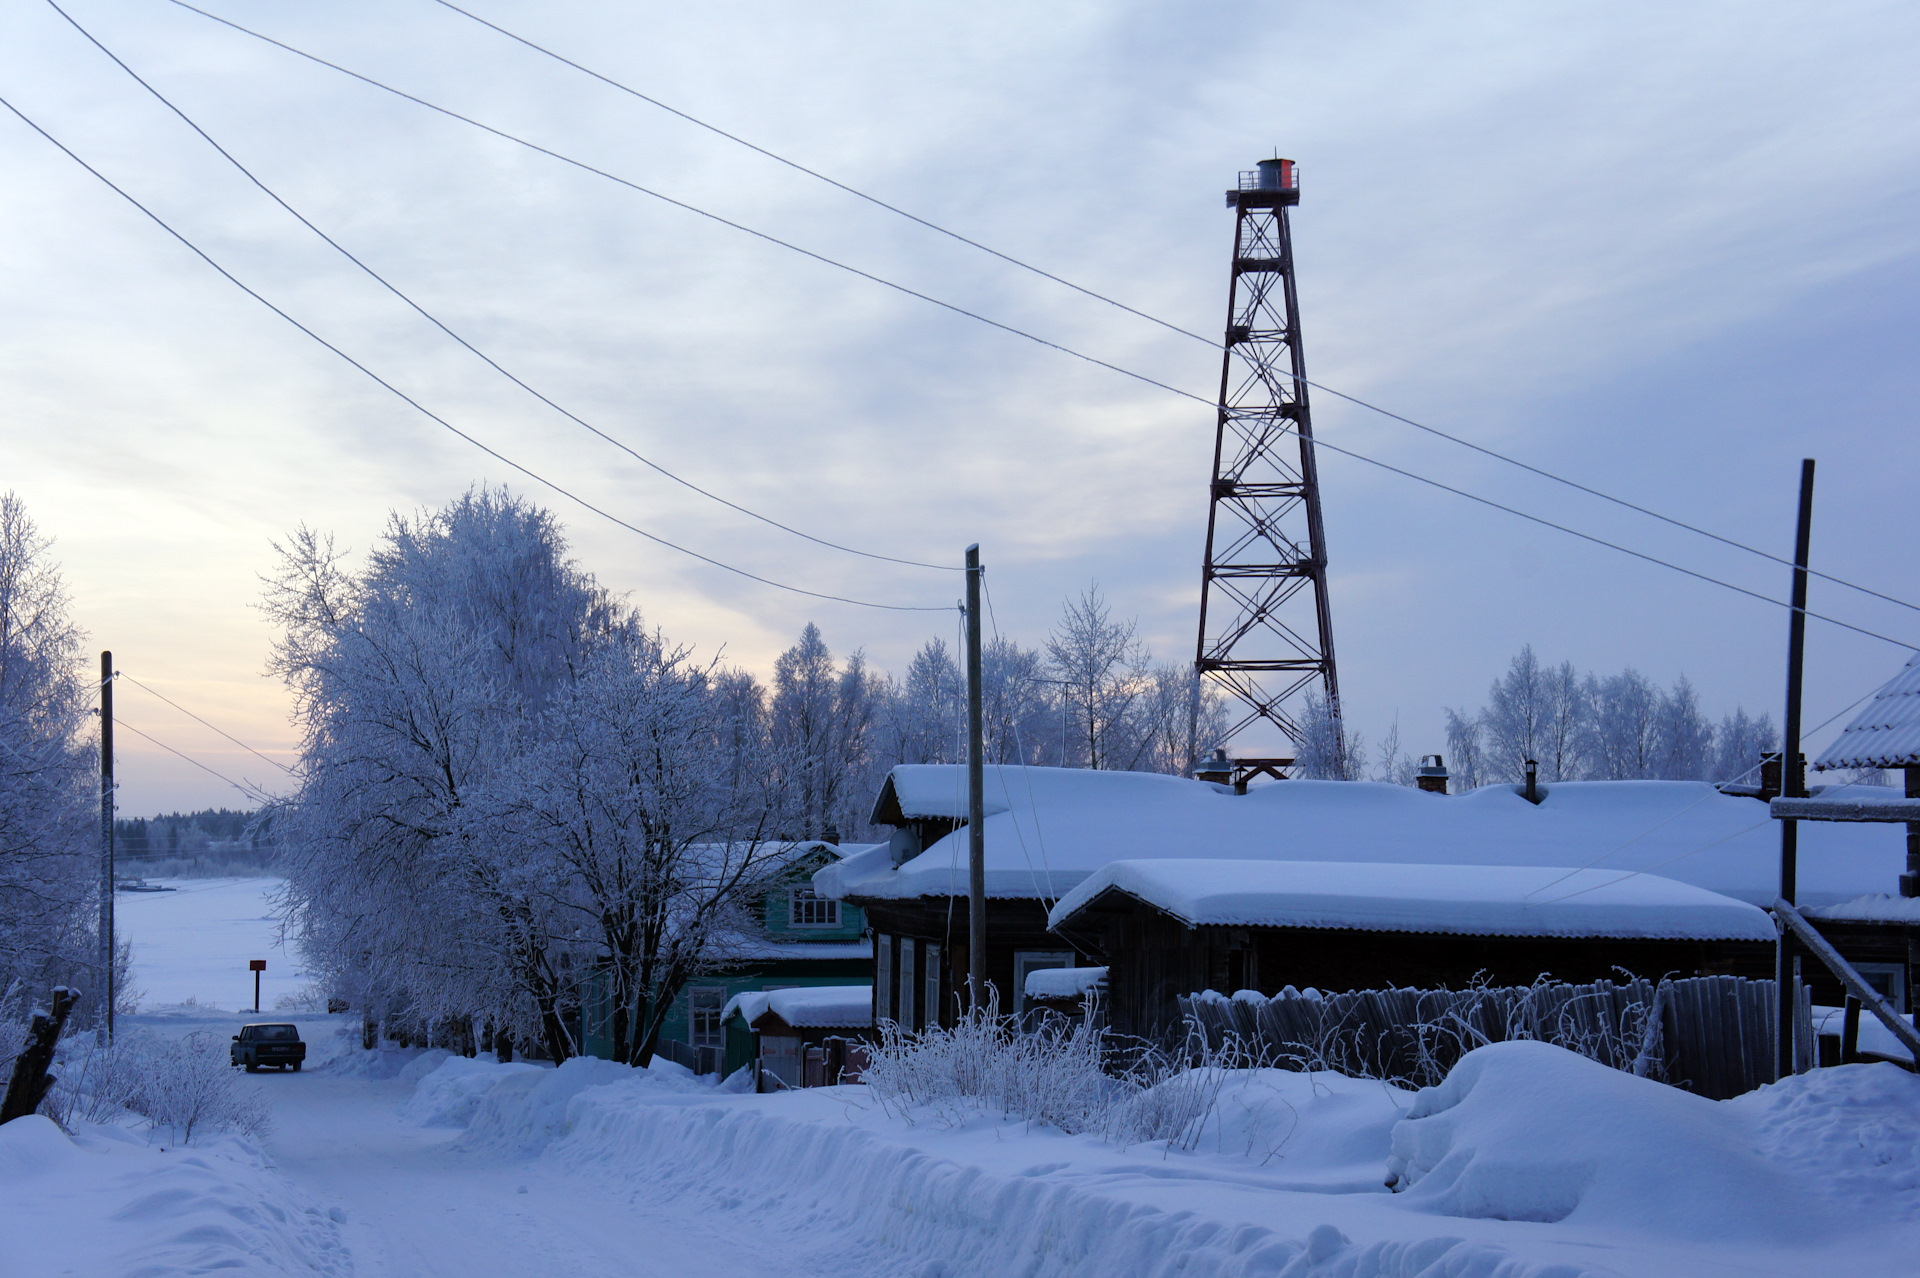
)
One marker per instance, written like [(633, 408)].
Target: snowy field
[(194, 943), (1525, 1163)]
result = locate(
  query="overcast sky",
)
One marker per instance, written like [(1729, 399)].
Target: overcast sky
[(1667, 250)]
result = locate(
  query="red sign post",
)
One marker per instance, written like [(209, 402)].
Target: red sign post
[(257, 966)]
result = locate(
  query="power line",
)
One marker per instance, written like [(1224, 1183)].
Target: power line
[(695, 209), (858, 194), (436, 418), (1125, 372), (1318, 442), (1152, 319), (197, 719), (888, 284), (254, 792), (435, 321)]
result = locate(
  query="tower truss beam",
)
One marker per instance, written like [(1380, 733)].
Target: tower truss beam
[(1266, 630)]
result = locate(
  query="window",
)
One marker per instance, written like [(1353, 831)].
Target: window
[(1025, 961), (882, 977), (1889, 981), (704, 1005), (807, 908), (930, 961), (908, 1017)]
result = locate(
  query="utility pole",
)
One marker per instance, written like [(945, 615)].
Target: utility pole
[(976, 796), (105, 926), (1793, 778)]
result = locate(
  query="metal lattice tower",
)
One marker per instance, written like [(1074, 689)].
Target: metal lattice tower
[(1266, 633)]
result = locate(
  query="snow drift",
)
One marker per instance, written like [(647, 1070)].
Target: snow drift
[(106, 1202), (1529, 1131), (1528, 1162)]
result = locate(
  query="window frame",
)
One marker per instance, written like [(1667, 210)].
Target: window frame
[(695, 995), (800, 894)]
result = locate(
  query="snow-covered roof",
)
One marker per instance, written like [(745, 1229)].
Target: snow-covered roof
[(808, 1007), (1472, 900), (1064, 982), (1886, 733), (1874, 908), (1055, 826)]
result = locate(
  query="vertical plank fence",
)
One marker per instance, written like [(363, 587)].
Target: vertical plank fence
[(1712, 1035)]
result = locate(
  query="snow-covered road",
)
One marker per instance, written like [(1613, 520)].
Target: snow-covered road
[(415, 1209)]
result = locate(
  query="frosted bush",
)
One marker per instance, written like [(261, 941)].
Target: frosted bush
[(186, 1086), (1075, 1077)]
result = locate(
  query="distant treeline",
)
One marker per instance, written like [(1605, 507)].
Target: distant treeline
[(209, 832)]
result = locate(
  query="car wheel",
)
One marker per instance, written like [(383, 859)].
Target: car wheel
[(253, 1069), (296, 1067)]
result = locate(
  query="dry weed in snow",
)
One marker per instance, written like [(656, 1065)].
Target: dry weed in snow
[(1073, 1077), (185, 1086)]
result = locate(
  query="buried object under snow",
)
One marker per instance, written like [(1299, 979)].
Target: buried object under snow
[(1530, 1131)]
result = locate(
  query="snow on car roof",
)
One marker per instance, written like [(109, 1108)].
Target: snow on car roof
[(1055, 826), (1886, 733), (1474, 900)]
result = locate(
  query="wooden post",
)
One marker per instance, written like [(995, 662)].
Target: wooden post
[(30, 1080), (976, 796), (104, 925), (1850, 1031), (1793, 774)]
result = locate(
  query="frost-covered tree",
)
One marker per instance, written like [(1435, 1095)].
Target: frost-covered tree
[(416, 683), (1569, 709), (1326, 749), (1623, 729), (822, 723), (501, 776), (923, 718), (1104, 674), (1464, 751), (1683, 737), (48, 802), (626, 816), (1518, 721), (1738, 744), (1390, 764)]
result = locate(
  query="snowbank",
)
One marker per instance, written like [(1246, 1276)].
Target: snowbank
[(450, 1092), (106, 1202), (1529, 1131), (1474, 900), (1528, 1162), (1851, 1134)]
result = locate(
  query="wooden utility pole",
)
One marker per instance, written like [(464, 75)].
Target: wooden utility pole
[(1793, 777), (976, 797), (106, 848)]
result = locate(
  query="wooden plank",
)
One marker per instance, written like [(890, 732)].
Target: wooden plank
[(1869, 997)]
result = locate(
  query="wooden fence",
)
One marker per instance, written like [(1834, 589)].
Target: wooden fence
[(1713, 1035)]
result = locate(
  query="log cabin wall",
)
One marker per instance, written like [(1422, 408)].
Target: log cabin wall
[(1014, 924)]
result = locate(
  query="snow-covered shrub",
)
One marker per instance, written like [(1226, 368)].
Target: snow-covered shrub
[(185, 1085), (1075, 1077)]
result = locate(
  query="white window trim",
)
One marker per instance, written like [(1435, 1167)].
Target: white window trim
[(812, 898)]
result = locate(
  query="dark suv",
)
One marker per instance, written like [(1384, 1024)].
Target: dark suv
[(257, 1045)]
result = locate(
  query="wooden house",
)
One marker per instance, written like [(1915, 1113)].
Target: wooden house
[(800, 1037), (1168, 928), (800, 939), (1878, 932), (1048, 830)]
